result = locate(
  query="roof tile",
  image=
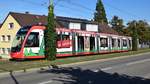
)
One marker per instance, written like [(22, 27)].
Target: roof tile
[(31, 19)]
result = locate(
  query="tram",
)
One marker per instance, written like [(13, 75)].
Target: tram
[(29, 43)]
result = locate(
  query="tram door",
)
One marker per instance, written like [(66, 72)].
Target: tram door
[(80, 43), (92, 43)]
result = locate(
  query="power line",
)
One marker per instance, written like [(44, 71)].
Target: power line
[(73, 9), (120, 10), (76, 14), (55, 4), (78, 8), (84, 7), (79, 5), (87, 10), (45, 5), (123, 11)]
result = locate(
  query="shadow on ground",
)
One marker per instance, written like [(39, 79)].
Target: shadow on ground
[(79, 76)]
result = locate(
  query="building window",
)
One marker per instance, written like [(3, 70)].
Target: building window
[(3, 37), (8, 50), (3, 51), (0, 51), (92, 27), (9, 37), (75, 26), (83, 26), (11, 25)]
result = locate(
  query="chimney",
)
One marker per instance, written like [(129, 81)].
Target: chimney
[(27, 12)]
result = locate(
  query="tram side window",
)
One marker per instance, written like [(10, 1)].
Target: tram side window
[(33, 40), (104, 42), (113, 42), (65, 37), (63, 41), (129, 43), (58, 37), (118, 42), (124, 43)]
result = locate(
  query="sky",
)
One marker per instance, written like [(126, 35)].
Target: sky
[(128, 10)]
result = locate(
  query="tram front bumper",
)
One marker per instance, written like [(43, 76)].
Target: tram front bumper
[(16, 55)]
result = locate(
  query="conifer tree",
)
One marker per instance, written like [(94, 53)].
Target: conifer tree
[(50, 35), (100, 15)]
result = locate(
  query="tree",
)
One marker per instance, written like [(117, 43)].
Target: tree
[(134, 38), (142, 29), (147, 37), (132, 28), (100, 15), (50, 35), (117, 24)]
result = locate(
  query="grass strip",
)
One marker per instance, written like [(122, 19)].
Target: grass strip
[(6, 66)]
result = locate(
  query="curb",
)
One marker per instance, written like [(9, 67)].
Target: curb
[(71, 64), (103, 60), (22, 71)]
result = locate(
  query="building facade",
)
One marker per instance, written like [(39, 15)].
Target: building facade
[(8, 31)]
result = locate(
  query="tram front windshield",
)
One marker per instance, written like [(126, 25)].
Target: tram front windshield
[(18, 40)]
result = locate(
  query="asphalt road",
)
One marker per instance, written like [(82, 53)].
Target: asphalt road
[(131, 70)]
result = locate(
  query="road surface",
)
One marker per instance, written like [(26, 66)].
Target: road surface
[(130, 70)]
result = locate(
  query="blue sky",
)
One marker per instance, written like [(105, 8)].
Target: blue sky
[(126, 9)]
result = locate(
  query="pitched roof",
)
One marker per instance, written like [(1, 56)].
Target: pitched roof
[(28, 19), (0, 25), (78, 20), (31, 19), (104, 28)]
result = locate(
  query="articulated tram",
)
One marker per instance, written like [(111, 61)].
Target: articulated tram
[(29, 43)]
